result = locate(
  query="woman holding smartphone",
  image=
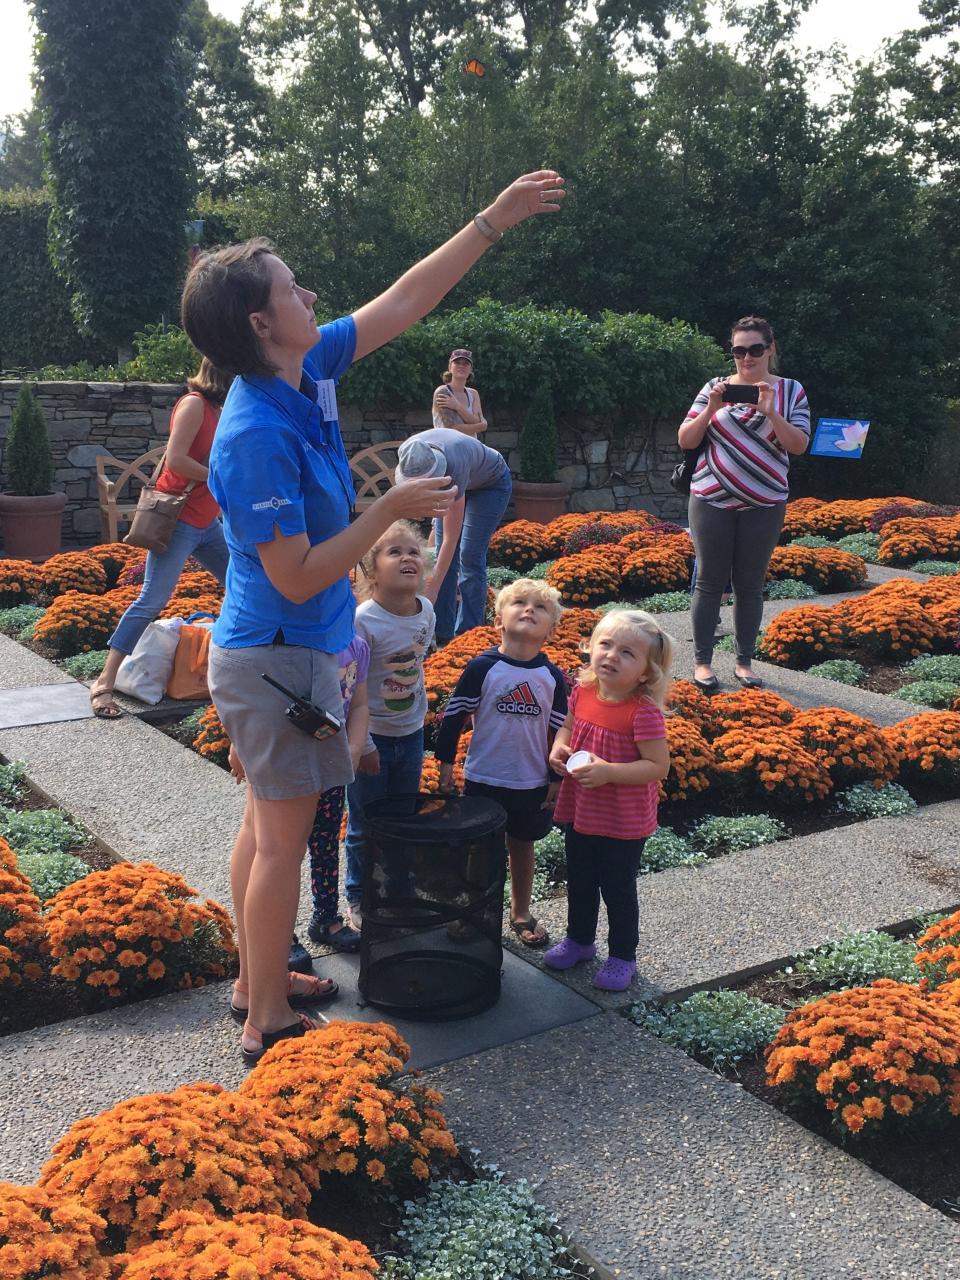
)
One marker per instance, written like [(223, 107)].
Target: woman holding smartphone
[(746, 425), (280, 474)]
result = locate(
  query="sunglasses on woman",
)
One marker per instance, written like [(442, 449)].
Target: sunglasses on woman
[(754, 352)]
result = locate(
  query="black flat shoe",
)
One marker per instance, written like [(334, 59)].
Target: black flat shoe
[(707, 686), (749, 682)]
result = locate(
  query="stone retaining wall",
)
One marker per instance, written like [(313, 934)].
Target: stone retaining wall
[(123, 420)]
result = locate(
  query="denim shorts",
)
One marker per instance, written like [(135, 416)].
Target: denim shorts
[(281, 761), (527, 819)]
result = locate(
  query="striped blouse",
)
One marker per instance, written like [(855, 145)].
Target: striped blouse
[(744, 464), (611, 731)]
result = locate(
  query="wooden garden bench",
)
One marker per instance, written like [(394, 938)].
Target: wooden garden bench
[(113, 509), (373, 469)]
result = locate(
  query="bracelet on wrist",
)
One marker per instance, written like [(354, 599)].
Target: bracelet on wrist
[(486, 230)]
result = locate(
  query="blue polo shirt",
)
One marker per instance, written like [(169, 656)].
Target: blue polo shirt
[(276, 462)]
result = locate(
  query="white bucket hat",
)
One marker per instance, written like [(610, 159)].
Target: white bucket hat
[(417, 460)]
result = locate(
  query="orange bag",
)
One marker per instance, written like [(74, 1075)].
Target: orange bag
[(189, 678)]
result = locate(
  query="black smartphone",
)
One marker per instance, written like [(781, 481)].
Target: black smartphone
[(311, 719), (741, 393)]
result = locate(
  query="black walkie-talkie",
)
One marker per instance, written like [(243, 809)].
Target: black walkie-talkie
[(311, 719)]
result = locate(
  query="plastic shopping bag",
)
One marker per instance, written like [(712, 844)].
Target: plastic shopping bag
[(189, 676), (144, 674)]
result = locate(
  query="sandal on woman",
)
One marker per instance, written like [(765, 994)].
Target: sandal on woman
[(105, 710), (530, 932), (255, 1043), (303, 990)]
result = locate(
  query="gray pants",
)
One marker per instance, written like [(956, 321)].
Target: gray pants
[(731, 546)]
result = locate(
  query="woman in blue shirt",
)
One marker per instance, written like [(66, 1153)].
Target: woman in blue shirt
[(280, 474)]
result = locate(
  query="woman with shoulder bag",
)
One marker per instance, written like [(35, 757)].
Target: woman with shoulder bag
[(198, 532), (739, 490), (281, 476)]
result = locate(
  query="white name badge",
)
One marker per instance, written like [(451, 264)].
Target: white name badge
[(327, 399)]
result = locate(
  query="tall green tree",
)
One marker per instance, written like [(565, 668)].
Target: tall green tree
[(227, 103), (112, 97), (21, 155)]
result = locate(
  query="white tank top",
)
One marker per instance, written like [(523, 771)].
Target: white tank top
[(439, 422)]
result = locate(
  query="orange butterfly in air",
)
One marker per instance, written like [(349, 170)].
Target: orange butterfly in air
[(475, 68)]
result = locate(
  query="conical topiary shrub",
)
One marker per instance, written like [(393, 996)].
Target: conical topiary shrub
[(538, 439), (29, 463)]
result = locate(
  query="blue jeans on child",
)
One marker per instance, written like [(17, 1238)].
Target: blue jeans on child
[(483, 510), (401, 761), (163, 569)]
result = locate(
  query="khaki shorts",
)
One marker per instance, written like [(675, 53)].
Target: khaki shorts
[(281, 761)]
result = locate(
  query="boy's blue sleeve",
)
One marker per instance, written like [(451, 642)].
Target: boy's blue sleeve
[(558, 712), (333, 354), (463, 703)]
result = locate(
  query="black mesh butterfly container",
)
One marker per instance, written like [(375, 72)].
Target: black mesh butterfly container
[(432, 906)]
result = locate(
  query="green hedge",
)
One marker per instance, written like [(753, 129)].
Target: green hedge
[(648, 367), (35, 322), (639, 366)]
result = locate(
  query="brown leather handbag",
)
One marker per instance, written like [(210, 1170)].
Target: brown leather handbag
[(157, 514)]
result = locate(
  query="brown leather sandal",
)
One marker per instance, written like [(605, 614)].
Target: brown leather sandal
[(304, 990), (532, 926)]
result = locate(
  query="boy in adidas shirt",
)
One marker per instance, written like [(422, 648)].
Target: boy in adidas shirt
[(518, 700)]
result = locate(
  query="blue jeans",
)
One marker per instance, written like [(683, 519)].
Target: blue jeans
[(401, 761), (483, 510), (162, 573)]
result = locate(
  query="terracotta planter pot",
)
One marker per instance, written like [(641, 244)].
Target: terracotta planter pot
[(540, 503), (31, 527)]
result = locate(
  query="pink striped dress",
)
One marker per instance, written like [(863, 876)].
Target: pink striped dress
[(611, 731), (744, 464)]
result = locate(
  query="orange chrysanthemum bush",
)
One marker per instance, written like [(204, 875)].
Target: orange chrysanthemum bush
[(627, 521), (76, 622), (870, 1055), (796, 523), (340, 1091), (659, 568), (557, 531), (938, 954), (199, 1148), (49, 1235), (641, 538), (837, 519), (211, 740), (904, 631), (686, 700), (199, 582), (750, 709), (185, 606), (849, 747), (927, 747), (72, 571), (905, 548), (119, 599), (114, 557), (20, 583), (8, 859), (194, 1247), (909, 539), (21, 926), (575, 626), (518, 545), (586, 579), (823, 568), (799, 637), (692, 761), (136, 929), (770, 764)]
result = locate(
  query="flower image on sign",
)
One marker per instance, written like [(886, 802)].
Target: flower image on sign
[(839, 438)]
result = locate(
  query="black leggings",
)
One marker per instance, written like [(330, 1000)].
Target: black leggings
[(731, 546), (601, 865)]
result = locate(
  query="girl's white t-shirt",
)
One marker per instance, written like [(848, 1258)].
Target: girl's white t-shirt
[(398, 645)]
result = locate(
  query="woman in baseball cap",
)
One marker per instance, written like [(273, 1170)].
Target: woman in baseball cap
[(456, 405), (463, 533)]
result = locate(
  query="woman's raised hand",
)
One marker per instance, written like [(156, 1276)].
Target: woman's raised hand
[(766, 401), (530, 194), (715, 398), (422, 499)]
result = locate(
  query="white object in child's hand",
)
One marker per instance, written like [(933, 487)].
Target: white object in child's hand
[(578, 760)]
